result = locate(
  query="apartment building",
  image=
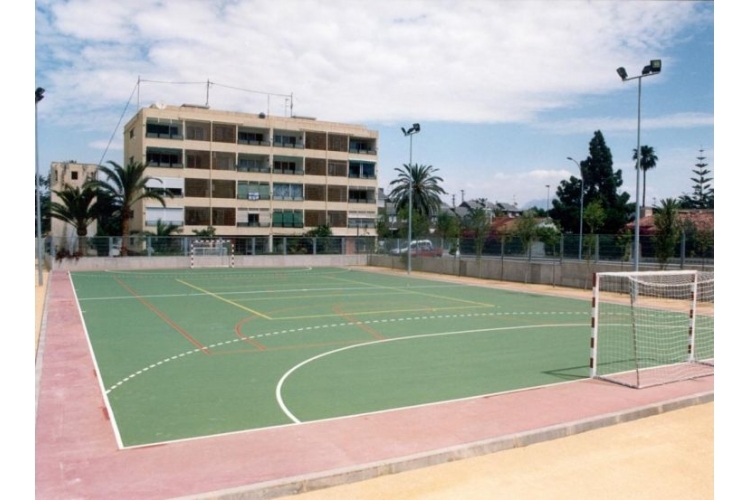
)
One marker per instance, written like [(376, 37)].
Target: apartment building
[(254, 175), (70, 173)]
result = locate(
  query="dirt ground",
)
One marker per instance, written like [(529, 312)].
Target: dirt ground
[(670, 455)]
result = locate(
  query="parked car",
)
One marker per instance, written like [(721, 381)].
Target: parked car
[(421, 248)]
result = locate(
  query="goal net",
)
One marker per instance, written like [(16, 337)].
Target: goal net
[(651, 328), (211, 253)]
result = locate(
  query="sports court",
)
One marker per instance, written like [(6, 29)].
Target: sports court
[(254, 379)]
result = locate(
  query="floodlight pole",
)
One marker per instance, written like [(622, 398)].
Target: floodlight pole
[(38, 96), (580, 218), (410, 133), (654, 68)]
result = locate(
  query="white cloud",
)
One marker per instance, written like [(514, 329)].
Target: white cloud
[(471, 61)]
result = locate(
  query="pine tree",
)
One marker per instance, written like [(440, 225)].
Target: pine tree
[(703, 191), (601, 183)]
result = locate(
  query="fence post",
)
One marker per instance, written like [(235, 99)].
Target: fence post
[(682, 249)]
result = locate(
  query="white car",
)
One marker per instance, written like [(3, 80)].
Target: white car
[(416, 247)]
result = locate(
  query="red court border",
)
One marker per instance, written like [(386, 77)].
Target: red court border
[(77, 456)]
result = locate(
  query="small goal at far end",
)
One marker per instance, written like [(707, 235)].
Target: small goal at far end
[(652, 327), (211, 253)]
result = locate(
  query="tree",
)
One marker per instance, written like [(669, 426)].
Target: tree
[(163, 241), (525, 229), (478, 224), (648, 162), (77, 207), (668, 229), (447, 227), (601, 183), (123, 187), (593, 219), (322, 231), (426, 189), (703, 191), (209, 232)]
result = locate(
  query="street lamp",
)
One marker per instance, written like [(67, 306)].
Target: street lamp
[(547, 186), (580, 218), (38, 96), (653, 68), (410, 133)]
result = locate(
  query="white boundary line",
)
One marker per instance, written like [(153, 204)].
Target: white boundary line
[(293, 418)]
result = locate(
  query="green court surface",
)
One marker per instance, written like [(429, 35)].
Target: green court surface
[(190, 353)]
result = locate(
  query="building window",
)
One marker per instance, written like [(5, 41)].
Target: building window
[(338, 142), (284, 191), (287, 166), (253, 191), (225, 133), (315, 140), (246, 163), (315, 166), (168, 158), (223, 189), (337, 168), (198, 159), (287, 141), (315, 192), (337, 193), (223, 161), (361, 195), (336, 218), (197, 131), (361, 170), (287, 218), (251, 138), (196, 188), (163, 131), (197, 216)]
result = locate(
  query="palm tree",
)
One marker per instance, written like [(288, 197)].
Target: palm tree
[(648, 161), (77, 207), (163, 240), (123, 187), (426, 189)]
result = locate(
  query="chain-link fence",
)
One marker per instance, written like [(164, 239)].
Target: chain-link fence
[(688, 250)]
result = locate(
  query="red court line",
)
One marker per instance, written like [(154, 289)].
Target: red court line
[(238, 331), (352, 319), (164, 317)]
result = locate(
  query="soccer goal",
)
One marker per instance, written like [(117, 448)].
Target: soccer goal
[(211, 253), (653, 327)]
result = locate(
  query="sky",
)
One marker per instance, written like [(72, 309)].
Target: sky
[(504, 91)]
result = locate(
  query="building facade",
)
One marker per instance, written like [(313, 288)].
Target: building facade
[(74, 174), (250, 175)]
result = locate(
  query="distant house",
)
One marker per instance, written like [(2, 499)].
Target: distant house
[(701, 219), (494, 210)]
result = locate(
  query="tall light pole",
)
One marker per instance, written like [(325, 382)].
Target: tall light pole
[(653, 68), (38, 96), (410, 133), (580, 218), (547, 186)]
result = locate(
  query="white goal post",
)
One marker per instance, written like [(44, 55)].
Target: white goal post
[(211, 253), (652, 327)]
